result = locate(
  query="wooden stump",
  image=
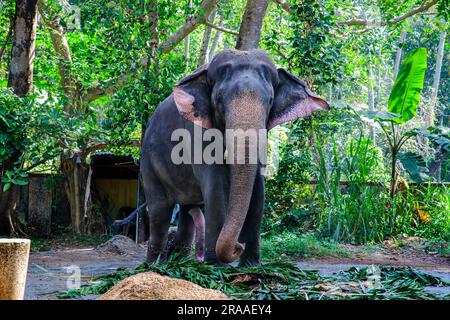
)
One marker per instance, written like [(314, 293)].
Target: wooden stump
[(14, 255)]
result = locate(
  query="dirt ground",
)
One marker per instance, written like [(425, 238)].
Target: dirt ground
[(51, 271)]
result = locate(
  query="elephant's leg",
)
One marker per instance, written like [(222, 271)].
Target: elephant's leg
[(251, 230), (159, 213), (215, 198), (159, 218), (185, 233), (199, 222)]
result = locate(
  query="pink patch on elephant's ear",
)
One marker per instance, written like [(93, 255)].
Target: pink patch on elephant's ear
[(301, 109), (185, 105)]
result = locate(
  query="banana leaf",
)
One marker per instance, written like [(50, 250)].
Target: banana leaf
[(405, 95), (414, 165)]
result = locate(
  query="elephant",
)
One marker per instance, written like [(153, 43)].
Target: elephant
[(191, 222), (238, 91)]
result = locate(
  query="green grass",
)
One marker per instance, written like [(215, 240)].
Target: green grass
[(281, 280), (292, 245), (38, 244)]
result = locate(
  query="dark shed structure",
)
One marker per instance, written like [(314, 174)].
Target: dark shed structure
[(115, 180)]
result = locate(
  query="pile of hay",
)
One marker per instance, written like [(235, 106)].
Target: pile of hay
[(120, 245), (153, 286)]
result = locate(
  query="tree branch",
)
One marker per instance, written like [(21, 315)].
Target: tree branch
[(359, 22), (221, 28), (103, 145), (165, 47), (206, 8), (285, 5), (69, 81), (8, 36), (427, 4)]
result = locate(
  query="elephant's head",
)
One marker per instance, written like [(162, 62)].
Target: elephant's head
[(242, 90)]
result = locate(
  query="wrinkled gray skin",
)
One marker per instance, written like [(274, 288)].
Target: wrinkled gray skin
[(237, 90)]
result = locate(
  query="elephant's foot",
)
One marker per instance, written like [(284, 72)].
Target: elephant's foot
[(211, 258), (155, 255), (179, 251), (216, 262)]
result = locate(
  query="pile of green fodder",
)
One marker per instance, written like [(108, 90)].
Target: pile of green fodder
[(282, 280)]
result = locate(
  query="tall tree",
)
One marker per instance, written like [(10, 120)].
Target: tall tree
[(398, 59), (203, 56), (23, 50), (73, 165), (216, 39), (371, 99), (187, 40), (439, 155), (252, 20), (436, 79), (20, 79)]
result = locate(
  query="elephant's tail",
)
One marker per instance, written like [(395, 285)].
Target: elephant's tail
[(127, 220)]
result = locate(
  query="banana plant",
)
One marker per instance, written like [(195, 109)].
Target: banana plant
[(402, 107)]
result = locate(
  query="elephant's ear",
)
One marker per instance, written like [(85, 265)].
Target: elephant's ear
[(193, 98), (293, 99)]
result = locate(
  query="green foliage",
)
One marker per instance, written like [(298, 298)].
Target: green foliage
[(364, 212), (283, 281), (28, 135), (402, 107), (333, 58), (315, 54), (405, 95), (423, 211), (38, 244), (355, 212), (414, 165), (13, 114), (288, 188), (439, 136), (293, 245)]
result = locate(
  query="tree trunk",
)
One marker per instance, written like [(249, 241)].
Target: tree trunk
[(70, 84), (252, 20), (74, 184), (8, 201), (216, 40), (22, 55), (439, 157), (202, 59), (206, 7), (398, 58), (371, 100), (187, 39), (436, 80), (8, 36), (378, 77), (21, 80)]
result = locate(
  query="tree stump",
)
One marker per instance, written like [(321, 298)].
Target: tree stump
[(14, 255)]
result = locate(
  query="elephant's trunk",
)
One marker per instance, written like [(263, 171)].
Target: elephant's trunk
[(244, 123), (242, 179)]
